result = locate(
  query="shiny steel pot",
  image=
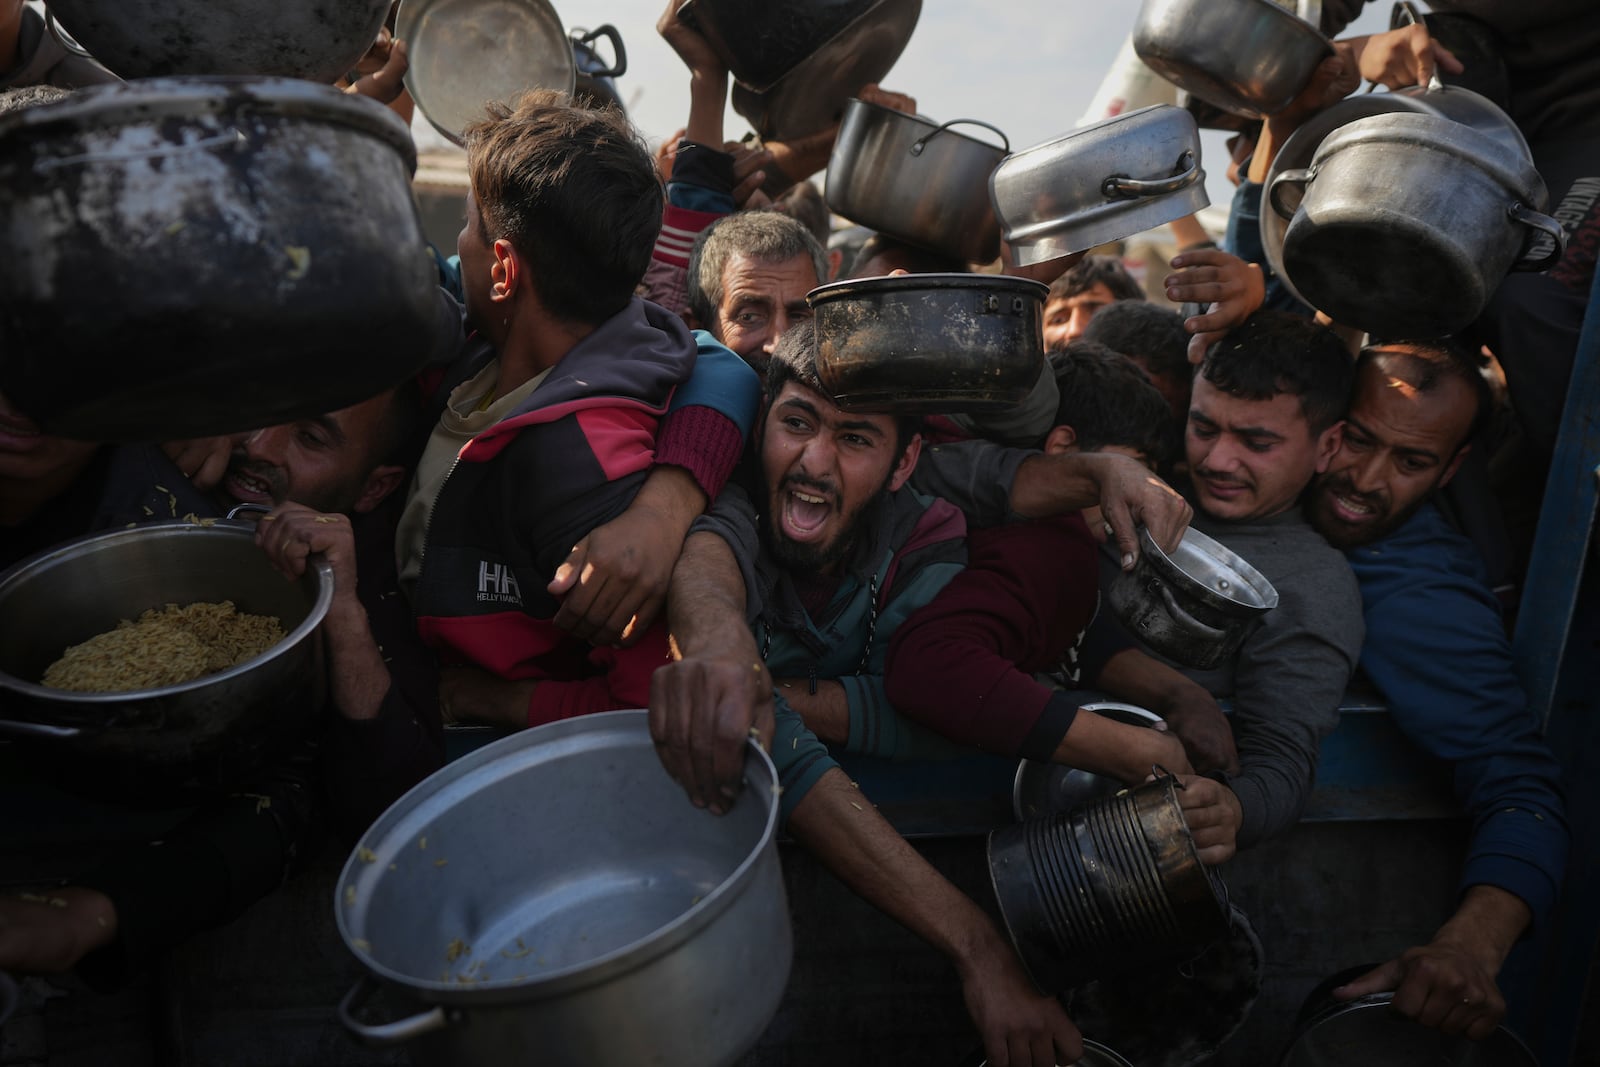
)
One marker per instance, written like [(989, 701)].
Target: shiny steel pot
[(1195, 606), (1099, 183), (309, 39), (812, 96), (1436, 98), (465, 53), (929, 342), (554, 897), (1094, 1055), (917, 180), (1407, 223), (185, 257), (210, 732), (1249, 57), (1369, 1031)]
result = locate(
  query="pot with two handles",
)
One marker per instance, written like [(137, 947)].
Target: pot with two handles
[(921, 181), (554, 897), (1407, 223)]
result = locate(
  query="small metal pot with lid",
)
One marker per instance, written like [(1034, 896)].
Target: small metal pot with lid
[(1406, 223), (1195, 606), (1100, 183), (929, 342), (920, 181)]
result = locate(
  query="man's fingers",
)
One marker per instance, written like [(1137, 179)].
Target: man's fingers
[(1385, 976), (748, 188), (1120, 519)]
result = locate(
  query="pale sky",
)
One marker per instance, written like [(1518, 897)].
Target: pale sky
[(1030, 67)]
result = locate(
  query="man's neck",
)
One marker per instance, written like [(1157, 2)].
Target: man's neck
[(533, 344)]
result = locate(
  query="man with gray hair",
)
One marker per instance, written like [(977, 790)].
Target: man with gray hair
[(748, 278)]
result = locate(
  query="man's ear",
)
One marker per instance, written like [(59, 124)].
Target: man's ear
[(835, 263), (379, 484), (907, 464), (691, 320), (505, 273), (1454, 465), (1060, 440), (1328, 445)]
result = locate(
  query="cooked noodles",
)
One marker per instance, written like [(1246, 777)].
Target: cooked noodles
[(166, 646)]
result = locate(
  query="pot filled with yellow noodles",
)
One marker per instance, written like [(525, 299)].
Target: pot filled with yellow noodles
[(159, 659)]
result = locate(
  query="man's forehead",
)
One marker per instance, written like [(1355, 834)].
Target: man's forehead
[(744, 272), (795, 395), (1281, 412), (1387, 389)]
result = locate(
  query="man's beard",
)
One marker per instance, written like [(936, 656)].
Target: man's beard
[(811, 557), (1342, 535)]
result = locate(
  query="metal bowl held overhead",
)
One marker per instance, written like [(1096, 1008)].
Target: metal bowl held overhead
[(811, 97), (554, 897), (1249, 57), (763, 43), (1041, 788), (1195, 606), (929, 342), (1102, 182), (466, 54), (1407, 223), (185, 257), (1436, 98), (1370, 1032), (596, 79), (309, 39), (150, 744), (921, 181)]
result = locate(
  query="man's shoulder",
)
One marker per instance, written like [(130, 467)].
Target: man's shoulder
[(1426, 563)]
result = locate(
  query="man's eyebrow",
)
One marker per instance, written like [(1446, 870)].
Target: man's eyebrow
[(804, 405), (330, 426), (859, 425), (1404, 450), (1258, 432)]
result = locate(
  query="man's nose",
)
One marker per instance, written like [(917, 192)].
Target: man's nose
[(776, 327), (265, 446), (1366, 474)]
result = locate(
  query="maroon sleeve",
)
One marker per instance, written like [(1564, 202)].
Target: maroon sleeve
[(704, 442), (962, 665), (622, 681)]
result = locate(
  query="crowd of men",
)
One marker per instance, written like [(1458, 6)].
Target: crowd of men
[(629, 488)]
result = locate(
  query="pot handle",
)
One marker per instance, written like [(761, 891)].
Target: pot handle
[(386, 1034), (1210, 633), (63, 38), (1121, 187), (619, 65), (1301, 178), (37, 730), (922, 142), (1546, 225)]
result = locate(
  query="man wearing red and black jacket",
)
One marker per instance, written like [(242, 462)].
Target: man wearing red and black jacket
[(552, 430)]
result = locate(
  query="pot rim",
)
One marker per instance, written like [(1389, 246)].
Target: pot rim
[(148, 99), (1383, 1000), (602, 968), (1211, 546), (233, 528), (1020, 156), (939, 283)]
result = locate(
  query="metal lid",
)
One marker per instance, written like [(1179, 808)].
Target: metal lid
[(465, 54), (1102, 182), (155, 99), (1209, 569)]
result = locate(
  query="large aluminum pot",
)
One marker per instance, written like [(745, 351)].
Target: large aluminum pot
[(811, 97), (917, 180), (1369, 1031), (309, 39), (1435, 98), (1249, 57), (554, 897), (929, 342), (1195, 606), (465, 54), (184, 257), (1407, 223), (1099, 183), (148, 744)]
